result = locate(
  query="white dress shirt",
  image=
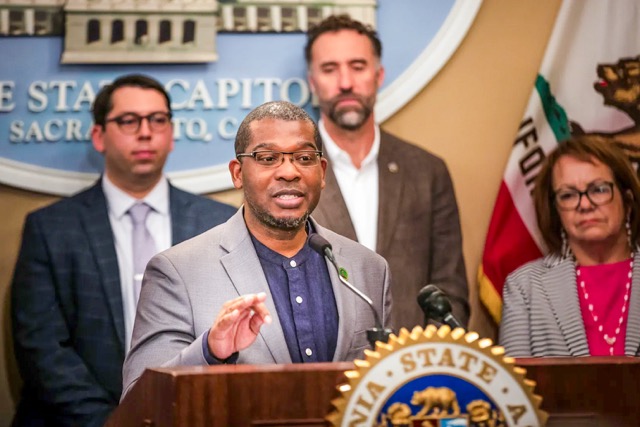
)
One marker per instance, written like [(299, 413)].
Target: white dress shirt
[(359, 187), (159, 225)]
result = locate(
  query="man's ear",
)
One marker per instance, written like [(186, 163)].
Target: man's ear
[(235, 168), (323, 164), (311, 81), (380, 76), (97, 138), (173, 141)]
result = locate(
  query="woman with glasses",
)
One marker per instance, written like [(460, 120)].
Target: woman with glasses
[(583, 298)]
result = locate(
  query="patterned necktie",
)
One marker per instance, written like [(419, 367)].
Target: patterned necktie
[(144, 247)]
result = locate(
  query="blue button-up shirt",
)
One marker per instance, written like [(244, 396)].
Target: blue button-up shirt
[(304, 300)]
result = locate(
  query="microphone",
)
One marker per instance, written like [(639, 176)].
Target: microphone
[(436, 305), (323, 247)]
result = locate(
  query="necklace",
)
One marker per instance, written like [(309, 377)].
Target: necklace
[(608, 338)]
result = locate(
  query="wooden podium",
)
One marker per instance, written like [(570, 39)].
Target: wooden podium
[(577, 392)]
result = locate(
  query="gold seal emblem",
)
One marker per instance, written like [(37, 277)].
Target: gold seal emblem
[(437, 378)]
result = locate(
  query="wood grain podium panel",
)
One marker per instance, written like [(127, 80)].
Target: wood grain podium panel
[(581, 392), (241, 395), (588, 391)]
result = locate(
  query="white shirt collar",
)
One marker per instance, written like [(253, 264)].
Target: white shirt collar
[(120, 202), (339, 156)]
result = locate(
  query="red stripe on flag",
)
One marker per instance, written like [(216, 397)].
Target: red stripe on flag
[(508, 246)]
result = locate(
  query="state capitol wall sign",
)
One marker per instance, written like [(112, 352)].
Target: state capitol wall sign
[(45, 119)]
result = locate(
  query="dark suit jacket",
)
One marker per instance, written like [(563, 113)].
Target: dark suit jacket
[(418, 227), (541, 314), (67, 315)]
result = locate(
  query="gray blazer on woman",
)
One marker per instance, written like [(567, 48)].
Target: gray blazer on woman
[(541, 311)]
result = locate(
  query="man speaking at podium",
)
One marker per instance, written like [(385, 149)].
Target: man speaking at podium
[(253, 290)]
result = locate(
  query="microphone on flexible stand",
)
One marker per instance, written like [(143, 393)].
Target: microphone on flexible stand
[(378, 333), (436, 306)]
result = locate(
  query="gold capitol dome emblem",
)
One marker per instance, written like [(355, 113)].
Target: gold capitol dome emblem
[(437, 378)]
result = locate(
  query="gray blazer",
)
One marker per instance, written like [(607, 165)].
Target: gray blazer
[(185, 287), (541, 311), (418, 227)]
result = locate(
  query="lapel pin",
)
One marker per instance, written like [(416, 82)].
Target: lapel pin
[(393, 167), (343, 273)]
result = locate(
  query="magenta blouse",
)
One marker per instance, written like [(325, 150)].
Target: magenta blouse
[(604, 292)]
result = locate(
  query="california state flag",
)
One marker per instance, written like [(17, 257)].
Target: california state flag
[(589, 82)]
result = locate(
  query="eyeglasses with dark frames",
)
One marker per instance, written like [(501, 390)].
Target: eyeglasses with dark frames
[(271, 158), (129, 123), (598, 193)]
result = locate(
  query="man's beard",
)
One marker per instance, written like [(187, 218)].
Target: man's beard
[(352, 117), (284, 224)]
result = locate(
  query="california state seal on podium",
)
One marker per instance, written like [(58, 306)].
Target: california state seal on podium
[(437, 377)]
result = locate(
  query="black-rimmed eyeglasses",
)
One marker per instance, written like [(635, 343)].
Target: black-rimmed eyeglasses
[(129, 123), (598, 193), (270, 158)]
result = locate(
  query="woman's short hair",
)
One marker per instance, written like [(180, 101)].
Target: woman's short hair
[(585, 148)]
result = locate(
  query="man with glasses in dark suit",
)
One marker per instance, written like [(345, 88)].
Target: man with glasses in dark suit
[(79, 271)]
